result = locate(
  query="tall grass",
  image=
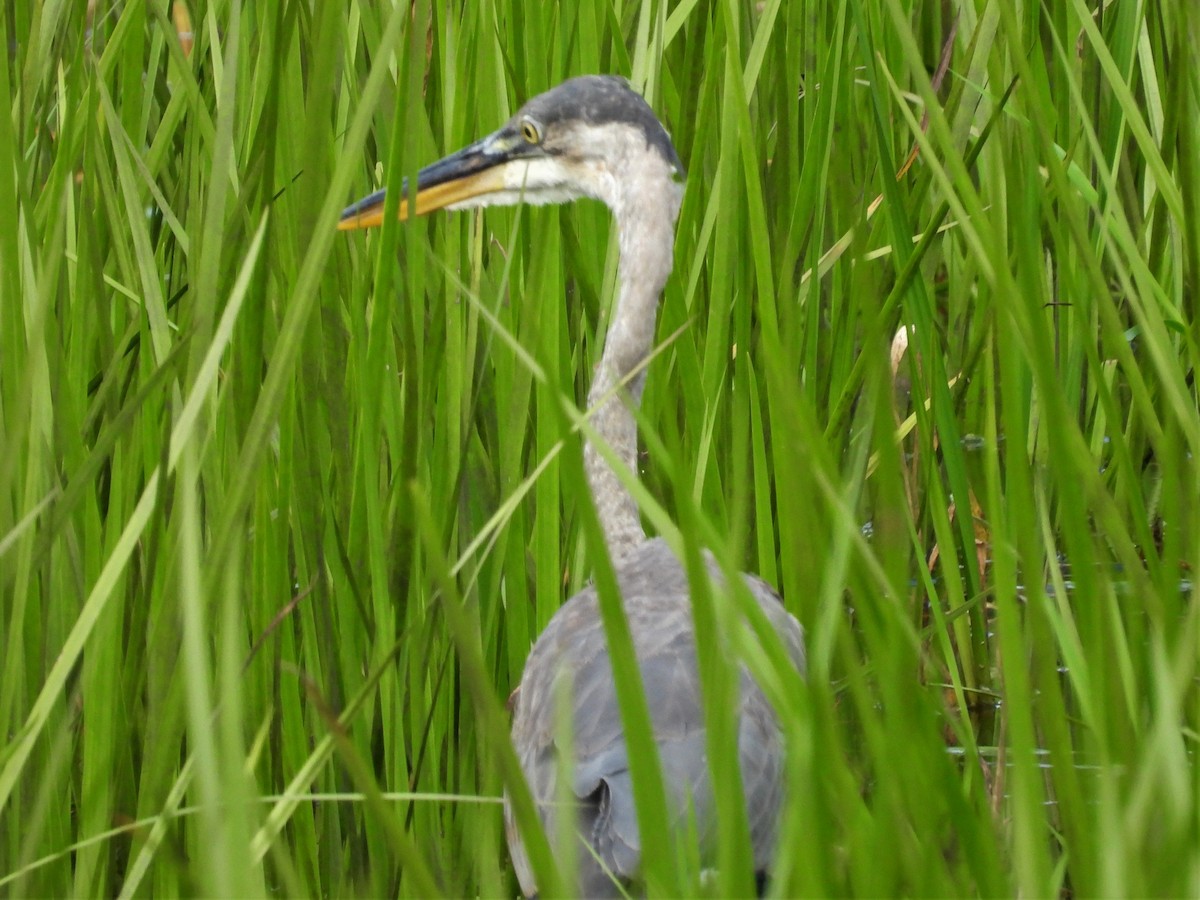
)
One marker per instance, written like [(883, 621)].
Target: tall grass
[(281, 510)]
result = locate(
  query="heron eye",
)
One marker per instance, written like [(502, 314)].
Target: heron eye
[(530, 131)]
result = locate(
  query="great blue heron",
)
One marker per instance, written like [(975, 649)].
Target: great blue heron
[(595, 137)]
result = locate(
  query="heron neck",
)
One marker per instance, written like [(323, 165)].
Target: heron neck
[(646, 235)]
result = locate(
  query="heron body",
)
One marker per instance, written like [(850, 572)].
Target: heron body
[(595, 137), (654, 590)]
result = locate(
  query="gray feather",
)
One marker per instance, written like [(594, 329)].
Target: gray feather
[(657, 602)]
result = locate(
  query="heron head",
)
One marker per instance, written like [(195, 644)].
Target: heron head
[(591, 136)]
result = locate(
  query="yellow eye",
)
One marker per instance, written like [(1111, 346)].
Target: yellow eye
[(530, 132)]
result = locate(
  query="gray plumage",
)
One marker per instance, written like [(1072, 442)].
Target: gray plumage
[(654, 589), (595, 137)]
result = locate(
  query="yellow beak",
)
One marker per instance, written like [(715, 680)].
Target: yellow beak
[(471, 172)]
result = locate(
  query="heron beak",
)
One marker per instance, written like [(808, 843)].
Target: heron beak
[(471, 172)]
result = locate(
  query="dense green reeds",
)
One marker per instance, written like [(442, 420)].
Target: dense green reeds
[(281, 510)]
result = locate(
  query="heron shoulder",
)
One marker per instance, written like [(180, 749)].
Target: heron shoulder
[(656, 597)]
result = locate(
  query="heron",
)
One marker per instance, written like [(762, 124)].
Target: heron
[(595, 137)]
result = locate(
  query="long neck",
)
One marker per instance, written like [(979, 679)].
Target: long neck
[(645, 227)]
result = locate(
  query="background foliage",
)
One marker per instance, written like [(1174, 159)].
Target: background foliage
[(281, 510)]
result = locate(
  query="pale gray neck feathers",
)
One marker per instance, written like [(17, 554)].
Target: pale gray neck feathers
[(644, 198)]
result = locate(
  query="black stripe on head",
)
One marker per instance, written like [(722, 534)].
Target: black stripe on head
[(598, 100)]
